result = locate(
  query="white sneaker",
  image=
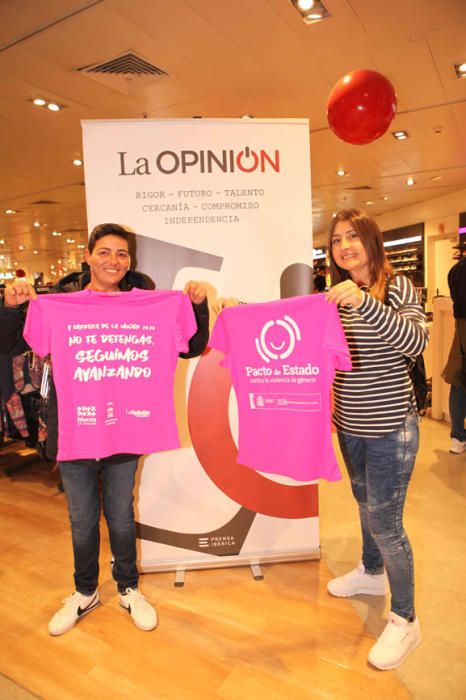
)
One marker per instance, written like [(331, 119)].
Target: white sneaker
[(457, 447), (357, 581), (142, 612), (75, 606), (396, 642)]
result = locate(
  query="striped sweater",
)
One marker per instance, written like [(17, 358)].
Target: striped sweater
[(374, 398)]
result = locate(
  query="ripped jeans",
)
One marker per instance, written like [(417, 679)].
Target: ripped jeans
[(380, 470)]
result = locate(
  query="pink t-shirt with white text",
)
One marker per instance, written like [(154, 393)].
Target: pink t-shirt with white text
[(114, 356), (282, 356)]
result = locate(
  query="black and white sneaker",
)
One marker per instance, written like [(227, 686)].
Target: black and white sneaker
[(142, 612), (74, 607)]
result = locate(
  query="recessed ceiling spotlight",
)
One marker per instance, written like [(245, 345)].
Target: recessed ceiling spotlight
[(36, 252), (460, 69), (36, 224), (77, 162), (400, 135), (310, 10), (15, 262), (334, 215), (410, 181), (248, 116), (10, 211), (341, 172), (2, 241), (385, 197), (52, 266), (70, 240), (21, 247), (56, 233), (46, 104), (369, 202), (436, 178), (80, 245)]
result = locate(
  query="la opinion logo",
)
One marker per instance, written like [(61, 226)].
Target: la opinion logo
[(278, 338)]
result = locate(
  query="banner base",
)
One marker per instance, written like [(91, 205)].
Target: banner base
[(153, 567)]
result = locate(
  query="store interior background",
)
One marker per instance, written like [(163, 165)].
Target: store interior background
[(247, 59)]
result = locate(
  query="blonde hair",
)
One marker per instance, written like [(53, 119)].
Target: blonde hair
[(371, 237)]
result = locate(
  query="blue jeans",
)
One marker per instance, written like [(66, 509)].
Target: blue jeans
[(457, 406), (81, 485), (380, 470)]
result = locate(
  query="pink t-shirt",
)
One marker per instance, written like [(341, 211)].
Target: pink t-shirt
[(114, 357), (282, 356)]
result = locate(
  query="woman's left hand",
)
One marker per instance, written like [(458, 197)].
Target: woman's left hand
[(345, 293), (196, 291)]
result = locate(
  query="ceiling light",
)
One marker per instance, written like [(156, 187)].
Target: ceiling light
[(400, 135), (402, 241), (36, 224), (77, 162), (385, 197), (52, 266), (80, 245), (247, 116), (341, 172), (56, 233), (310, 10), (15, 262), (10, 211), (460, 69), (436, 177), (21, 247), (410, 181), (41, 102), (369, 202), (70, 240), (2, 241), (334, 216), (36, 252)]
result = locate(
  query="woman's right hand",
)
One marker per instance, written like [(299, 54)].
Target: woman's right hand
[(223, 303), (18, 293)]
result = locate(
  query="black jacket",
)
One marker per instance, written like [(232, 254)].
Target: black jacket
[(12, 342), (457, 284)]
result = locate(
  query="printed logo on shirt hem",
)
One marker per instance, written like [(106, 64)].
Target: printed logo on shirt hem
[(86, 415), (138, 412)]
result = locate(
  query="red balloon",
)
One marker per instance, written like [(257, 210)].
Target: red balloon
[(361, 106)]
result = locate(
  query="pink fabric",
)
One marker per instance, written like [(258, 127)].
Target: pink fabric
[(282, 356), (120, 402)]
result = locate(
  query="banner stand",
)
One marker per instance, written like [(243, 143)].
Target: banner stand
[(226, 202)]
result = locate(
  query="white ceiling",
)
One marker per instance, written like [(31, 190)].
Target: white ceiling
[(223, 59)]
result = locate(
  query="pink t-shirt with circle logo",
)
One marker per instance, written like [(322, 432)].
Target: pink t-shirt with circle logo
[(282, 356), (114, 357)]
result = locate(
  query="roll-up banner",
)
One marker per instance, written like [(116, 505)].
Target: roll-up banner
[(226, 202)]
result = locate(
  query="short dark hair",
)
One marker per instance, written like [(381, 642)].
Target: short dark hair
[(102, 230)]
